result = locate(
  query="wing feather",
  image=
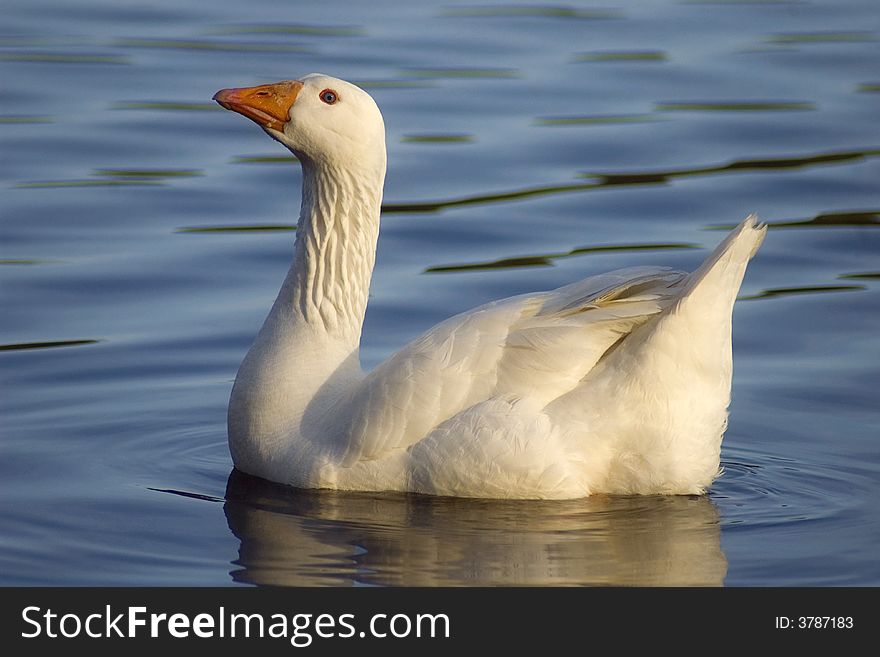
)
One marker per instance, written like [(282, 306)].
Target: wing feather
[(539, 345)]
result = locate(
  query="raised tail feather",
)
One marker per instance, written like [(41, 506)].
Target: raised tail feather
[(661, 394), (728, 261)]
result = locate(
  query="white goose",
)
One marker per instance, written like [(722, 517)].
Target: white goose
[(615, 384)]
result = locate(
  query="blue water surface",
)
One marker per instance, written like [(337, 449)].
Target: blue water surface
[(144, 234)]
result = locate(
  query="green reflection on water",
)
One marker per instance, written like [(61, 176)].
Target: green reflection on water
[(866, 275), (504, 263), (149, 173), (228, 46), (859, 218), (281, 28), (437, 139), (513, 11), (31, 41), (116, 178), (46, 345), (623, 56), (824, 220), (757, 164), (822, 37), (417, 207), (61, 58), (742, 2), (789, 291), (107, 182), (785, 106), (597, 120), (26, 119), (264, 159), (244, 228), (546, 259), (869, 87)]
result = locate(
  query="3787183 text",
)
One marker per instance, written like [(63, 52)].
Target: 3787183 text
[(814, 622)]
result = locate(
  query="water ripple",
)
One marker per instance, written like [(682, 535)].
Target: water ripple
[(531, 11), (546, 259), (605, 180), (53, 344)]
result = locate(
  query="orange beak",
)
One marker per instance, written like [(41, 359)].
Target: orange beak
[(268, 105)]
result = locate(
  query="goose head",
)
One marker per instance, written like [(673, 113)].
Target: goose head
[(321, 119)]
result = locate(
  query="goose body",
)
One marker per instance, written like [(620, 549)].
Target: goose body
[(615, 384)]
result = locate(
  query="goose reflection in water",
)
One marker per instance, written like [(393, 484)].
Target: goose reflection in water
[(294, 537)]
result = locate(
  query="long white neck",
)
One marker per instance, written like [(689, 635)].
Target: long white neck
[(329, 281), (307, 350)]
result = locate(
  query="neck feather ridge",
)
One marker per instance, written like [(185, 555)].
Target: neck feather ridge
[(335, 249)]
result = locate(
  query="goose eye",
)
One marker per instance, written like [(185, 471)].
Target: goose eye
[(329, 96)]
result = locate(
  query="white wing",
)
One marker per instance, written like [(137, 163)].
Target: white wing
[(538, 346)]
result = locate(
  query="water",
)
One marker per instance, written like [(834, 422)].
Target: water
[(145, 232)]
